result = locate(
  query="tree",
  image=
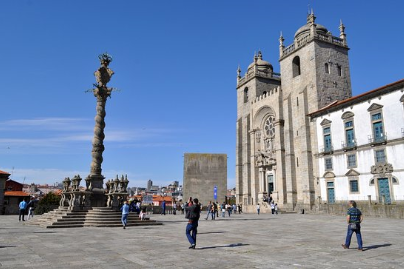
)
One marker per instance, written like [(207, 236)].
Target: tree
[(49, 202)]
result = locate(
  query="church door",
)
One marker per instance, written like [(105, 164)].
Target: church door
[(330, 193), (384, 190), (270, 184)]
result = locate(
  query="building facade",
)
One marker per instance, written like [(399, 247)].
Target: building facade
[(360, 144), (277, 143)]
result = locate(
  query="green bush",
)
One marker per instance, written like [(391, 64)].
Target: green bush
[(49, 202)]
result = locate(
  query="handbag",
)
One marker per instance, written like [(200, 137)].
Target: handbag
[(353, 226)]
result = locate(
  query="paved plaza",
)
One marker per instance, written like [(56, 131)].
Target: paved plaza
[(241, 241)]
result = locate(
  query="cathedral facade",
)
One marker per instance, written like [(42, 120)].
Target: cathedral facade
[(277, 150)]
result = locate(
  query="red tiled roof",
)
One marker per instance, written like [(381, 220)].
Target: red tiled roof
[(353, 99), (4, 173), (157, 198), (15, 193)]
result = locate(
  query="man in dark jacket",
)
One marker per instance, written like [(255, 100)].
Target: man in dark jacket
[(192, 213)]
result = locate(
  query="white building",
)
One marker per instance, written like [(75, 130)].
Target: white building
[(360, 147)]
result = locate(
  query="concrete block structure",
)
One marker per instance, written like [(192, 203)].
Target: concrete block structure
[(202, 173)]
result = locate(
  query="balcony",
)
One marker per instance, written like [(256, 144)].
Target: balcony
[(379, 140), (350, 145), (327, 150)]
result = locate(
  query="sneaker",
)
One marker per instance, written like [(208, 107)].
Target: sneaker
[(360, 249), (192, 247), (344, 246)]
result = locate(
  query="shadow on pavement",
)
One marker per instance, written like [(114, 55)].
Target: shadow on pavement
[(225, 246), (211, 233), (376, 246), (7, 246)]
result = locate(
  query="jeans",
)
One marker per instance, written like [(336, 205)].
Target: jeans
[(21, 213), (358, 236), (124, 219), (213, 215), (191, 231), (258, 211)]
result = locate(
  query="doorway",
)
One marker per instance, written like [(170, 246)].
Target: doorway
[(270, 184), (330, 193), (384, 190)]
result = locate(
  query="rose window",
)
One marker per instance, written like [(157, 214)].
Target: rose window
[(269, 127)]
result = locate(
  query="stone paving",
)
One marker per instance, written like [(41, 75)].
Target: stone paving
[(241, 241)]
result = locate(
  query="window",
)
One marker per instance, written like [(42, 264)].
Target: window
[(328, 163), (327, 68), (354, 185), (380, 156), (339, 68), (349, 134), (245, 94), (351, 160), (377, 124), (327, 139), (296, 66)]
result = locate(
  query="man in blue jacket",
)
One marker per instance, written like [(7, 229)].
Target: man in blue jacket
[(192, 213), (125, 213), (22, 207)]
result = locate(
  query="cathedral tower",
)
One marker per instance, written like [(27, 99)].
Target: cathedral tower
[(315, 73)]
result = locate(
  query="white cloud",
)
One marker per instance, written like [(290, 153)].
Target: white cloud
[(41, 124), (53, 135), (51, 175)]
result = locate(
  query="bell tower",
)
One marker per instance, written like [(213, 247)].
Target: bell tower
[(315, 73)]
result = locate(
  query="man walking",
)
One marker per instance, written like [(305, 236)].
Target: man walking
[(163, 212), (125, 213), (209, 210), (192, 213), (21, 211), (354, 218)]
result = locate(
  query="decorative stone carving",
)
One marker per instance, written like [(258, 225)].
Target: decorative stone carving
[(347, 115), (382, 168), (262, 159), (325, 122), (374, 106), (76, 183)]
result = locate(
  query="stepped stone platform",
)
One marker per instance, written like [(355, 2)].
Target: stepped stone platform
[(94, 217)]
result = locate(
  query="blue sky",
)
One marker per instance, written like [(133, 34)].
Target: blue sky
[(175, 66)]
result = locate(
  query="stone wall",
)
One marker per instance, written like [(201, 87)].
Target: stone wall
[(368, 210), (202, 172)]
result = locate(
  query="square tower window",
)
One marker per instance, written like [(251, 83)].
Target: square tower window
[(327, 68), (296, 66), (339, 70), (245, 94)]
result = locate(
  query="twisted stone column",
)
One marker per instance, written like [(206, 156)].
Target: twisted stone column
[(98, 140), (95, 180)]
